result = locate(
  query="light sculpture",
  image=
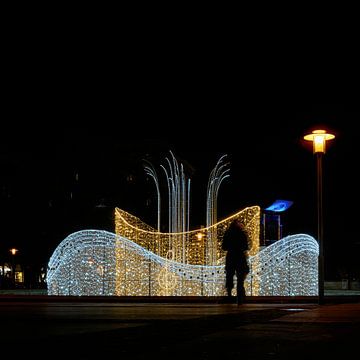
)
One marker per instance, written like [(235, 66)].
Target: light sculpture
[(217, 175), (137, 260), (149, 169)]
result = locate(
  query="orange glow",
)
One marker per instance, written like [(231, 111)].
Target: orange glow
[(319, 138), (14, 251)]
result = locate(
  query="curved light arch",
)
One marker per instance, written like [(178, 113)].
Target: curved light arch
[(138, 261), (149, 169), (97, 262), (217, 175)]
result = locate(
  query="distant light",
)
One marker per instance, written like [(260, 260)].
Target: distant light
[(13, 251), (319, 138), (100, 205), (280, 205)]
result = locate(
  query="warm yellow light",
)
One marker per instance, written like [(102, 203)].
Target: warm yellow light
[(199, 248), (199, 236), (319, 138), (14, 251)]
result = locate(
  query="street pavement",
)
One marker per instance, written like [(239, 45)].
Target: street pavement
[(99, 328)]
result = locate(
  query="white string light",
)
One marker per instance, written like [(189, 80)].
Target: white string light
[(134, 263)]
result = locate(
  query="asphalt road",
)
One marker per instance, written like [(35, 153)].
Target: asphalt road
[(93, 330)]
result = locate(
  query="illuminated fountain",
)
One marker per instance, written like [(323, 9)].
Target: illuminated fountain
[(138, 260), (217, 175)]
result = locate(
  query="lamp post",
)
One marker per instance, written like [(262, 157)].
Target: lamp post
[(13, 252), (319, 138)]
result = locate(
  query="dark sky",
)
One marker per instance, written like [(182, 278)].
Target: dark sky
[(81, 111), (57, 177)]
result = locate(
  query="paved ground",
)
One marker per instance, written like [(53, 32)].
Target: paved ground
[(192, 330)]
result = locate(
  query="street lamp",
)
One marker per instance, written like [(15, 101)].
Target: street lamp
[(319, 138), (13, 252)]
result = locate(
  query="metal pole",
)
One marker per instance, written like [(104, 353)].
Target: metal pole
[(319, 157), (319, 138)]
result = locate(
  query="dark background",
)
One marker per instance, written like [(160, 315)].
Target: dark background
[(59, 178), (82, 110)]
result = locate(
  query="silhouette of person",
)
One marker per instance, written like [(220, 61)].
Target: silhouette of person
[(235, 243)]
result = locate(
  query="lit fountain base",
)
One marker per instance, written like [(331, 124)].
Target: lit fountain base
[(100, 263)]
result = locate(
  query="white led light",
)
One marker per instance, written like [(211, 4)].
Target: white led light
[(139, 261)]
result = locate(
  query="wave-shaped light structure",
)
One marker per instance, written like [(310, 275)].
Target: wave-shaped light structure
[(97, 262)]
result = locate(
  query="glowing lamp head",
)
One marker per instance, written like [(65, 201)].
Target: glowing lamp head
[(13, 251), (319, 138)]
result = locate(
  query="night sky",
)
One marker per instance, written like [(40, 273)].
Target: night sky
[(80, 115), (60, 177)]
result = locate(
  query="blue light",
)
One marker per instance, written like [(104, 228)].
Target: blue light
[(279, 205)]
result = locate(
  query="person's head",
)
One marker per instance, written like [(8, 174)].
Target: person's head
[(238, 223)]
